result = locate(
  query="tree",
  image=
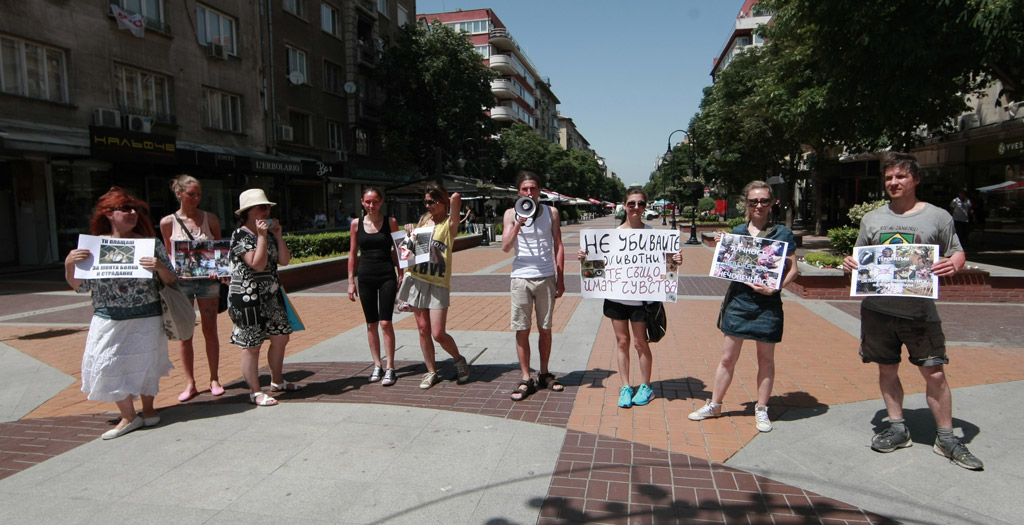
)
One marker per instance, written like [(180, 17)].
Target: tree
[(525, 149), (437, 94), (575, 172)]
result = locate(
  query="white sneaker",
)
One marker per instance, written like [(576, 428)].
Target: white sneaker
[(761, 416), (708, 410), (429, 380)]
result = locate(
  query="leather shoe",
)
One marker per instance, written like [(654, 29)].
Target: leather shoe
[(118, 432)]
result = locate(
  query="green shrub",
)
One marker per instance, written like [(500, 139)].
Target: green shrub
[(317, 244), (706, 204), (565, 216), (843, 239), (735, 221), (498, 228), (857, 212), (574, 214), (823, 260)]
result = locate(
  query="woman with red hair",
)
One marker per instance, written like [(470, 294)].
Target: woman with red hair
[(126, 350)]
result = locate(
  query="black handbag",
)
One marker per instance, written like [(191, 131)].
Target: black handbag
[(657, 322)]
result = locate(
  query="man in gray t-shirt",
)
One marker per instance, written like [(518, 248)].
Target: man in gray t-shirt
[(889, 323)]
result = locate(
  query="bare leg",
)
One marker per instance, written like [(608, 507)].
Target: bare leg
[(892, 389), (438, 320), (388, 332), (940, 399), (731, 348), (643, 351), (208, 318), (275, 357), (765, 371), (621, 328), (422, 316), (373, 338), (187, 354), (250, 368), (148, 410), (544, 348), (523, 350), (127, 409)]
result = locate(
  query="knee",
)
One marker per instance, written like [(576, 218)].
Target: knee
[(371, 327), (385, 325), (438, 335), (729, 360), (933, 374)]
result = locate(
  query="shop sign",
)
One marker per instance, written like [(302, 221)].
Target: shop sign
[(276, 166), (224, 160), (1008, 148), (123, 145)]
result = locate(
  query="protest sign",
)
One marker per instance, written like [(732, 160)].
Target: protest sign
[(413, 248), (747, 259), (900, 270), (629, 264), (111, 257), (201, 259)]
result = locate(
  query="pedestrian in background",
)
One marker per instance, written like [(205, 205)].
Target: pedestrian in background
[(190, 223), (752, 311), (126, 349), (963, 214)]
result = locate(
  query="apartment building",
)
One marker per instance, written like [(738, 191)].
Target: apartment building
[(569, 137), (742, 36)]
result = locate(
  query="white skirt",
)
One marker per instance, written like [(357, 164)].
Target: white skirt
[(124, 358)]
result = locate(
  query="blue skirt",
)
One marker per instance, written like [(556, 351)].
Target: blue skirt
[(749, 315)]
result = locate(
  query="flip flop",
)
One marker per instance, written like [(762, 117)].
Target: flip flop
[(216, 390)]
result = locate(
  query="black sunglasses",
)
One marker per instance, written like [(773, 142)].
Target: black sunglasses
[(127, 208), (428, 203), (755, 202), (634, 204)]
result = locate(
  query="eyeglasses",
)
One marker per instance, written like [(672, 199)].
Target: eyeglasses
[(428, 203), (634, 204), (126, 208), (753, 203)]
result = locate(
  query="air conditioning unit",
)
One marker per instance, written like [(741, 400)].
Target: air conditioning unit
[(108, 118), (139, 123), (969, 121), (285, 133), (216, 51)]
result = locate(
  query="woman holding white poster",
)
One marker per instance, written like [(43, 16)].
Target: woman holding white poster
[(372, 255), (752, 311), (126, 350), (626, 314), (190, 223)]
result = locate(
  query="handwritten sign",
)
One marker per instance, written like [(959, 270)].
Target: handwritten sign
[(112, 258), (629, 264), (901, 270), (747, 259), (201, 259), (413, 248)]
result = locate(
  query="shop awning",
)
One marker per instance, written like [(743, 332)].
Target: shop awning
[(1002, 186), (1009, 186), (17, 135)]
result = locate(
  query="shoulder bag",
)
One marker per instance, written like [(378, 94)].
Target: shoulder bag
[(657, 322), (178, 316)]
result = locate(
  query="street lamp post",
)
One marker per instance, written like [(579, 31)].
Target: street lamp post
[(668, 157)]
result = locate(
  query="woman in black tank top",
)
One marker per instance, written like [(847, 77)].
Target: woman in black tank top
[(372, 261)]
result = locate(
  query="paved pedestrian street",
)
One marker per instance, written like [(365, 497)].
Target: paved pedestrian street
[(344, 450)]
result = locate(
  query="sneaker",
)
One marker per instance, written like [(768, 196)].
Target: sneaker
[(429, 379), (708, 410), (389, 377), (375, 375), (761, 417), (891, 439), (644, 395), (462, 370), (625, 396), (958, 453)]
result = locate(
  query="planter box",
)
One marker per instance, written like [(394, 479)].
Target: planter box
[(306, 275)]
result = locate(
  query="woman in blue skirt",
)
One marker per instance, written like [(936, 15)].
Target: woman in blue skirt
[(752, 311)]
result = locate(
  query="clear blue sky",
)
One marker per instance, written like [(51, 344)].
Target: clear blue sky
[(628, 72)]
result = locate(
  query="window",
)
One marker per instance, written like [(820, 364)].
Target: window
[(296, 61), (362, 148), (222, 110), (141, 92), (152, 12), (484, 50), (334, 138), (214, 26), (329, 20), (32, 70), (403, 16), (295, 7), (382, 7), (472, 27), (300, 127), (334, 78)]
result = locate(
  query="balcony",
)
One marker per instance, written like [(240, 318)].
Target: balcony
[(503, 88), (503, 64), (367, 55), (501, 38), (503, 114)]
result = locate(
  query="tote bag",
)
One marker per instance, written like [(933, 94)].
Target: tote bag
[(293, 316), (178, 316)]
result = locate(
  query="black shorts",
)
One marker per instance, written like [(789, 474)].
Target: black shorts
[(624, 312), (882, 338)]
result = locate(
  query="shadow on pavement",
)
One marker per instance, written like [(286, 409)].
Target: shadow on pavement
[(921, 424)]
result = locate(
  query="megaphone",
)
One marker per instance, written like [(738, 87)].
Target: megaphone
[(526, 208)]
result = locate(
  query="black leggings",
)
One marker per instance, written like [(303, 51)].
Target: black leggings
[(377, 294)]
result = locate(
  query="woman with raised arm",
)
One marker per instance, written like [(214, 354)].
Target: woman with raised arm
[(752, 311), (126, 350), (427, 285), (190, 223), (372, 258)]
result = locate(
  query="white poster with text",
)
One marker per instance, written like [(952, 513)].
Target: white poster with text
[(629, 264), (112, 258)]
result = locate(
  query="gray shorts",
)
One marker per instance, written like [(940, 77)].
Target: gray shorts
[(421, 294), (532, 294), (882, 338), (199, 288)]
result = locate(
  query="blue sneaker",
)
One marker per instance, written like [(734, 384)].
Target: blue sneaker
[(644, 395), (626, 397)]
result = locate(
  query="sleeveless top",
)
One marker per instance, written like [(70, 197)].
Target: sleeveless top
[(375, 251), (438, 271), (535, 253), (201, 233)]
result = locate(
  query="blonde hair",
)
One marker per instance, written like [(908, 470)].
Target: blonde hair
[(179, 183), (751, 186)]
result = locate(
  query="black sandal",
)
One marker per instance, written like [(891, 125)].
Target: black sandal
[(548, 381), (523, 393)]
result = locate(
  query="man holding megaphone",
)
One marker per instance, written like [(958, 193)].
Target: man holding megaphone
[(533, 230)]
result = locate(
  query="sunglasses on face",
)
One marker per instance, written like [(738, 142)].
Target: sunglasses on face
[(634, 204), (753, 203), (126, 208), (428, 203)]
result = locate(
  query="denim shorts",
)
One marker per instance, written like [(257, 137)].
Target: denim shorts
[(199, 288)]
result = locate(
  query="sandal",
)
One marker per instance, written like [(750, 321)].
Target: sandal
[(521, 392), (547, 380), (284, 386), (267, 401)]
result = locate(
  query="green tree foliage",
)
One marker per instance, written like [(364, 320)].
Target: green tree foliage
[(576, 173), (525, 149), (438, 92)]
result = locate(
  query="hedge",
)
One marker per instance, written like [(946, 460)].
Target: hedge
[(823, 260), (843, 239), (317, 244)]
